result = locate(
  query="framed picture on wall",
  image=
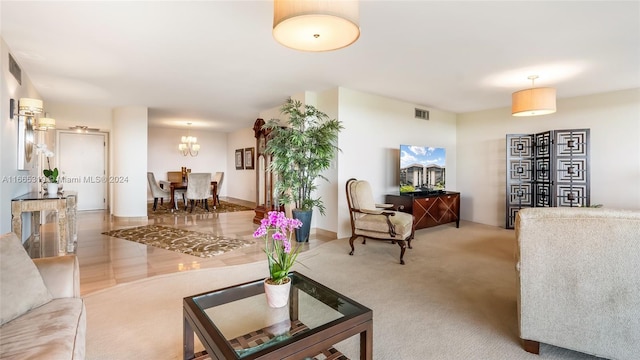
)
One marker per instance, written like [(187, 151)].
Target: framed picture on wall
[(248, 158), (239, 159)]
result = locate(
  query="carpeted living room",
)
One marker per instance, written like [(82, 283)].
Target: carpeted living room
[(488, 152), (454, 299)]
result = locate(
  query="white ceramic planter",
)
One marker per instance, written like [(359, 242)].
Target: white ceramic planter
[(277, 295), (52, 189)]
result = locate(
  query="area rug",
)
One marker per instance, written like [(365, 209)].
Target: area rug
[(222, 207), (184, 241)]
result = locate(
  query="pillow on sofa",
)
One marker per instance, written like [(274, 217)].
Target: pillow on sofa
[(21, 286)]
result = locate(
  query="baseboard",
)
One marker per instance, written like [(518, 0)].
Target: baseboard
[(129, 219), (325, 233), (246, 203)]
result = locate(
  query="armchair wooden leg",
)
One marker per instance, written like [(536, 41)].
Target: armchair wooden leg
[(155, 203), (353, 237), (403, 247), (531, 346), (413, 233), (206, 204)]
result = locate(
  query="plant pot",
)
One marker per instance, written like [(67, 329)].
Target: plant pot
[(52, 189), (277, 295), (302, 234)]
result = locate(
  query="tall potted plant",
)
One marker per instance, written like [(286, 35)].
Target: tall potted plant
[(301, 151)]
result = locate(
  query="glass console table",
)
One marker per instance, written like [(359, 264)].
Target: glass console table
[(237, 323), (66, 206)]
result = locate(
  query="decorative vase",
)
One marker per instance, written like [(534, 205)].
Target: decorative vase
[(277, 295), (52, 189), (302, 234)]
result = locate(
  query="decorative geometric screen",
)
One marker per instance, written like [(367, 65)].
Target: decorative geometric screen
[(572, 167), (547, 169), (520, 174)]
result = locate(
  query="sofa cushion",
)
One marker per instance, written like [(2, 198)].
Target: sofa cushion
[(22, 286), (56, 330)]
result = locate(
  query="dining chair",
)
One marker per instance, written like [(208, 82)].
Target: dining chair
[(156, 191), (218, 177), (198, 188)]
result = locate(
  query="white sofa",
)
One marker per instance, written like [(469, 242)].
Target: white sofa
[(579, 280), (41, 313)]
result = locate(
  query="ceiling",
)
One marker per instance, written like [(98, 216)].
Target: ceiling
[(215, 63)]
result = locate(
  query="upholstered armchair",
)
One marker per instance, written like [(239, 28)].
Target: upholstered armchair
[(376, 221), (156, 191), (578, 280), (198, 188), (218, 177)]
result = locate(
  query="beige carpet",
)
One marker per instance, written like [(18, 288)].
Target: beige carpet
[(184, 241), (454, 299)]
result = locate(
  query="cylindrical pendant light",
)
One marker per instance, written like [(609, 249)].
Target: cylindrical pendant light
[(316, 25), (534, 101)]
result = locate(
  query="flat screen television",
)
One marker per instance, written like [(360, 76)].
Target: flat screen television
[(422, 169)]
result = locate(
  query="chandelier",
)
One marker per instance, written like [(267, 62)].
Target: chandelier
[(189, 144)]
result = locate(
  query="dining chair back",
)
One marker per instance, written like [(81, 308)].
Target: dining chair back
[(198, 188), (174, 176), (156, 191)]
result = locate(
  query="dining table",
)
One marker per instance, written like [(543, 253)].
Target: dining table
[(182, 185)]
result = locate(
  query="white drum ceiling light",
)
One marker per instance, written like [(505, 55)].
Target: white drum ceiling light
[(316, 25)]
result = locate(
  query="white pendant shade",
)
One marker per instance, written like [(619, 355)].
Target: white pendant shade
[(532, 102), (316, 25), (33, 106)]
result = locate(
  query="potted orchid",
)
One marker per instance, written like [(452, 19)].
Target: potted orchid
[(50, 175), (276, 230)]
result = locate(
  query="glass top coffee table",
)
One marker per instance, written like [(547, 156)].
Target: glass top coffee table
[(236, 322)]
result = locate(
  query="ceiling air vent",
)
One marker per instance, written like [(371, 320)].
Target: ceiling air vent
[(14, 69), (422, 114)]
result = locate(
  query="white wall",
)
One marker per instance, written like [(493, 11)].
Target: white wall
[(13, 182), (241, 184), (327, 102), (129, 138), (164, 156), (614, 120), (375, 127)]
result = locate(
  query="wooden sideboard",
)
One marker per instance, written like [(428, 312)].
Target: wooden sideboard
[(429, 210)]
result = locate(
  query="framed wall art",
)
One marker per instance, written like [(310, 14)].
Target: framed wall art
[(239, 159), (249, 163)]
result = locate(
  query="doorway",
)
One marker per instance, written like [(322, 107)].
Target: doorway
[(82, 159)]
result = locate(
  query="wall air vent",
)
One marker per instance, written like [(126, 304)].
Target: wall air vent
[(422, 114), (14, 69)]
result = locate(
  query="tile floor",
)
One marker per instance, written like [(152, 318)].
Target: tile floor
[(106, 261)]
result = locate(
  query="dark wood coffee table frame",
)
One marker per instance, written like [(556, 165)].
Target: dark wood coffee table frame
[(306, 344)]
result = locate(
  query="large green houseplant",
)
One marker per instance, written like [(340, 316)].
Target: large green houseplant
[(301, 151)]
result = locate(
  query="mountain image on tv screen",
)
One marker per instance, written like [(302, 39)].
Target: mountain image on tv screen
[(422, 169)]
